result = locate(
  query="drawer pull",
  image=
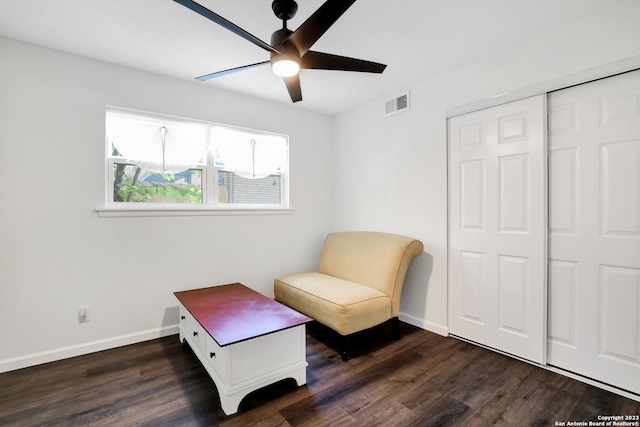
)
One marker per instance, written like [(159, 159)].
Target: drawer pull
[(182, 317), (195, 334), (212, 355)]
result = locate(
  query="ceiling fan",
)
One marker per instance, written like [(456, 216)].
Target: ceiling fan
[(290, 49)]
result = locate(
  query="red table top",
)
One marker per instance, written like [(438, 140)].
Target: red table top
[(234, 313)]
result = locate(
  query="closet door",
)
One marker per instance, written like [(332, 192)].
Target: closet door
[(594, 235), (497, 262)]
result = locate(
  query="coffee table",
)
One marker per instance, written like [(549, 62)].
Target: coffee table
[(243, 339)]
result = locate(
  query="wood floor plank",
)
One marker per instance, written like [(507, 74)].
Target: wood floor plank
[(421, 380), (386, 413), (440, 410)]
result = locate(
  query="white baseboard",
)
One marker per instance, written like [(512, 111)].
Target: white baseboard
[(34, 359), (86, 348), (425, 324)]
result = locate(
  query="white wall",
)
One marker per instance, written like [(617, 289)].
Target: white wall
[(390, 175), (393, 171), (57, 255)]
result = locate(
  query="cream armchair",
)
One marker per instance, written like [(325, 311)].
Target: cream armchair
[(357, 285)]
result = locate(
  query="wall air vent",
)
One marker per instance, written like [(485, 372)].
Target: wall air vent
[(397, 105)]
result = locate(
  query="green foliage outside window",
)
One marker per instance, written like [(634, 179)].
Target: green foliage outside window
[(133, 184)]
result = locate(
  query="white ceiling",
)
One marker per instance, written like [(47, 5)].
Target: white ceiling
[(416, 38)]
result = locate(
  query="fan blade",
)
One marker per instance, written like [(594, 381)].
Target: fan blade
[(229, 71), (293, 86), (326, 61), (318, 23), (226, 24)]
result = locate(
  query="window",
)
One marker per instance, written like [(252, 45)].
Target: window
[(159, 162)]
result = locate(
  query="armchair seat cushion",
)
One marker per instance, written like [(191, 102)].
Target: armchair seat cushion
[(344, 306)]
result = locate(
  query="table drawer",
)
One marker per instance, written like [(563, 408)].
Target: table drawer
[(193, 331), (184, 320), (198, 335), (218, 358)]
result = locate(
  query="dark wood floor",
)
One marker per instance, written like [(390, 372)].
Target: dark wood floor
[(421, 380)]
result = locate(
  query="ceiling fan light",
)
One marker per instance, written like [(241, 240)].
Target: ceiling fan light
[(285, 67)]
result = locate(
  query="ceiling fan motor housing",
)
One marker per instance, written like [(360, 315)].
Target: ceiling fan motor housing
[(278, 41)]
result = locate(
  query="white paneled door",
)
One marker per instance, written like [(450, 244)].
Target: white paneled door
[(497, 268), (594, 230)]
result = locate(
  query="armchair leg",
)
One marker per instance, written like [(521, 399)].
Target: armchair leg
[(395, 327), (345, 347)]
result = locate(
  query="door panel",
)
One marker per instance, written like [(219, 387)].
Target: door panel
[(594, 235), (498, 227)]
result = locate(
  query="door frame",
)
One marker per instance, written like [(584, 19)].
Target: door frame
[(596, 73)]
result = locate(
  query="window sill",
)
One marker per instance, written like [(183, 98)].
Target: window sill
[(130, 212)]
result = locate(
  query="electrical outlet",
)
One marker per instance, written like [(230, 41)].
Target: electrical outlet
[(83, 314)]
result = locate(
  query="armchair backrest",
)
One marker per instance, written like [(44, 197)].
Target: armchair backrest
[(378, 260)]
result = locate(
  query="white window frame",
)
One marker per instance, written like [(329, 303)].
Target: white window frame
[(211, 204)]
